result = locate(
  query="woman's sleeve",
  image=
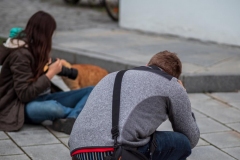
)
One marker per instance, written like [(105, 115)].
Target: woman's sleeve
[(20, 65)]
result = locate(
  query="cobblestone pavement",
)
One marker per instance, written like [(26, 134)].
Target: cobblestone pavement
[(68, 17), (218, 114)]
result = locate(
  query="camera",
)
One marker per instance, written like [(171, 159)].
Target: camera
[(67, 72)]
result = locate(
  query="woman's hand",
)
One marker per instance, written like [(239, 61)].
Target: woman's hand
[(54, 69)]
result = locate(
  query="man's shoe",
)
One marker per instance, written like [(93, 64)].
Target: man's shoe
[(63, 125)]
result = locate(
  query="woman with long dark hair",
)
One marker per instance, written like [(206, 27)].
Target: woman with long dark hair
[(25, 87)]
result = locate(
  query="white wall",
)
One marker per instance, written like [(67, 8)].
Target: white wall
[(212, 20)]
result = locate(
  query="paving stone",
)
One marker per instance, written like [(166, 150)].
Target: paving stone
[(15, 157), (227, 97), (65, 141), (198, 114), (199, 100), (217, 110), (223, 139), (210, 54), (7, 147), (48, 152), (190, 68), (208, 153), (207, 125), (165, 126), (196, 100), (128, 55), (3, 135), (226, 67), (109, 42), (198, 97), (33, 137), (58, 134), (225, 115), (201, 142), (87, 45), (235, 152), (235, 104), (230, 98), (235, 126)]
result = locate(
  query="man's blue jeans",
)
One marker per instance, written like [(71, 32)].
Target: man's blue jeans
[(170, 146), (56, 105)]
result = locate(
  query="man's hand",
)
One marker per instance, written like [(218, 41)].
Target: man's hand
[(180, 82)]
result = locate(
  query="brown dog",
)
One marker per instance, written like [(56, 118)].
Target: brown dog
[(88, 75)]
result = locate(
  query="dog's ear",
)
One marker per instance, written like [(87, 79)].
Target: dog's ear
[(66, 64)]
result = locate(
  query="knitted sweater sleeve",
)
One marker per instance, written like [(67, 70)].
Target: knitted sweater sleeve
[(181, 116)]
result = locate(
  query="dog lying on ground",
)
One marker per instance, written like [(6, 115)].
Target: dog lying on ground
[(88, 75)]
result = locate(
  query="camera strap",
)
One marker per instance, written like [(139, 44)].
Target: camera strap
[(116, 112), (116, 106)]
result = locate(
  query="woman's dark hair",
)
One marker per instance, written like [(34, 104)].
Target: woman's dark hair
[(167, 61), (38, 37)]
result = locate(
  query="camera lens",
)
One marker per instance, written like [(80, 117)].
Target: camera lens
[(68, 72)]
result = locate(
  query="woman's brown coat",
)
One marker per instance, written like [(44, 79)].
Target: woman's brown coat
[(15, 88)]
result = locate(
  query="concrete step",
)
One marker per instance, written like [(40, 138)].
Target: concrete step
[(193, 82)]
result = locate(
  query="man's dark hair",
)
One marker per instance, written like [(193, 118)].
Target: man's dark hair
[(167, 61)]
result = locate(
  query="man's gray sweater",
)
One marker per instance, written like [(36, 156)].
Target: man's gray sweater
[(147, 99)]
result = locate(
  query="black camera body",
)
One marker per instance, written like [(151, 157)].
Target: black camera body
[(67, 72)]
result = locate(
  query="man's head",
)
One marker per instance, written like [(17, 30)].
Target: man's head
[(167, 61)]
